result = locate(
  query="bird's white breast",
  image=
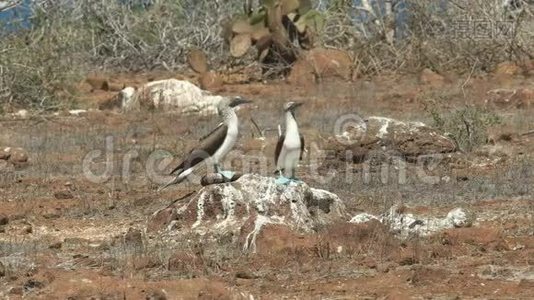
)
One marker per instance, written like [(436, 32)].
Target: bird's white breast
[(230, 139), (292, 136)]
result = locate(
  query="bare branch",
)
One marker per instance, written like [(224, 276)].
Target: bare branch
[(9, 4)]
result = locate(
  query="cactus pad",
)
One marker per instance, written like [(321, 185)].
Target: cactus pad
[(198, 61), (240, 44)]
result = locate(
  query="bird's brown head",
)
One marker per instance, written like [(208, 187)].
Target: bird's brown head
[(229, 104), (292, 106), (236, 101)]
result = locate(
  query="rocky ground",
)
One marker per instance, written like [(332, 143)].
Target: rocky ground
[(81, 218)]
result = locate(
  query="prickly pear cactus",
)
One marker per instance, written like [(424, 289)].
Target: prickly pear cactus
[(277, 28)]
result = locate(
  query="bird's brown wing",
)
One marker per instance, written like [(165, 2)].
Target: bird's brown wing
[(301, 146), (278, 148), (207, 147), (211, 132)]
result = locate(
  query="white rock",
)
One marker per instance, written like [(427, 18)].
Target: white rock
[(244, 207), (386, 124), (406, 223), (459, 217), (363, 218), (410, 140), (170, 94), (23, 114), (77, 112)]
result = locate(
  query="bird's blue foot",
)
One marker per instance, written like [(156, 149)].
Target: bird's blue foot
[(282, 180), (227, 174)]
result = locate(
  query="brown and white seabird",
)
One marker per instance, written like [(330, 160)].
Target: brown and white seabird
[(290, 146), (215, 145)]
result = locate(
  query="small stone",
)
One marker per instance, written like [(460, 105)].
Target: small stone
[(146, 262), (407, 260), (384, 267), (507, 69), (211, 81), (2, 270), (133, 238), (51, 214), (3, 219), (431, 78), (18, 155), (320, 63), (370, 263), (27, 229), (460, 217), (23, 114), (448, 297), (32, 284), (97, 83), (362, 218), (56, 245), (182, 261), (525, 98), (77, 112), (16, 291), (245, 275), (63, 195), (4, 154), (156, 295)]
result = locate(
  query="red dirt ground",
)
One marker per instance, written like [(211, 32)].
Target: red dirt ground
[(64, 235)]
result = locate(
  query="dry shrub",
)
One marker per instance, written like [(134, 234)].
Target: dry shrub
[(482, 238), (356, 241), (440, 39), (42, 60), (40, 64), (186, 263), (469, 35), (424, 276), (157, 36), (37, 69), (372, 242), (468, 126)]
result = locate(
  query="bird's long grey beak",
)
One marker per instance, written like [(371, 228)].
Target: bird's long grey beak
[(238, 101), (296, 104)]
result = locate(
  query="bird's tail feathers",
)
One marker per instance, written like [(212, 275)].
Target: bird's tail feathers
[(176, 180), (176, 172)]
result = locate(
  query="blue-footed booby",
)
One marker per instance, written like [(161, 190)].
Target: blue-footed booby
[(290, 146), (215, 145)]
